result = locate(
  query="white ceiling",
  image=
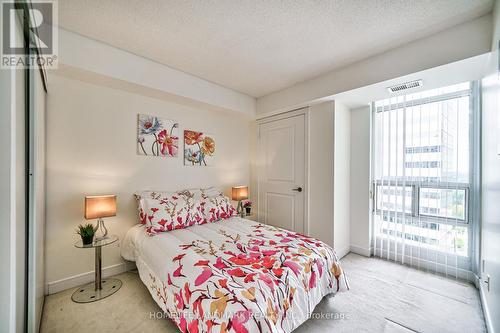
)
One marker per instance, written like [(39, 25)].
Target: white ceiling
[(261, 46)]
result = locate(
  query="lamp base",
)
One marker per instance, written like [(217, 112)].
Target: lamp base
[(240, 210), (88, 293), (100, 231)]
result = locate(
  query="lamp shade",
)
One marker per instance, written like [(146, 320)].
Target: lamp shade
[(98, 206), (239, 193)]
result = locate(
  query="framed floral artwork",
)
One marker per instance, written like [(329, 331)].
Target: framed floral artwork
[(157, 136), (199, 148)]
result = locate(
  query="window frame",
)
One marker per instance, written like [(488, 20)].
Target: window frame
[(416, 185), (415, 198)]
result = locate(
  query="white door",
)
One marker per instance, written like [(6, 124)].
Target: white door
[(282, 159), (36, 229)]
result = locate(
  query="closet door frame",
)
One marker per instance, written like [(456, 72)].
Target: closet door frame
[(34, 278), (305, 188)]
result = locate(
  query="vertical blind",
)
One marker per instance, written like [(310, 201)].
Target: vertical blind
[(422, 177)]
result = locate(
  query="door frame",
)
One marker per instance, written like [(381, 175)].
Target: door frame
[(285, 115)]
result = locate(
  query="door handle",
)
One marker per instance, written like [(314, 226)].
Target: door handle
[(298, 189)]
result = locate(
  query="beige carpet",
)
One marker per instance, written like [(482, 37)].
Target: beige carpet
[(384, 297)]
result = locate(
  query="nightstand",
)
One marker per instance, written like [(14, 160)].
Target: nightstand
[(100, 288)]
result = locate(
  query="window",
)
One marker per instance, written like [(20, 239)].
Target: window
[(390, 198), (422, 170), (444, 203)]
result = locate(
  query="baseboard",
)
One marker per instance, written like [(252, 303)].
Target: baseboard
[(486, 311), (80, 279), (342, 252), (476, 281), (367, 252)]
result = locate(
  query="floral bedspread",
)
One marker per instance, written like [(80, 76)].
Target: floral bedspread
[(237, 276)]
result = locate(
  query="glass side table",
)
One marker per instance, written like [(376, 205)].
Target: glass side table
[(100, 288)]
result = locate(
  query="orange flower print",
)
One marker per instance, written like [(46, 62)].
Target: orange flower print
[(272, 311), (208, 146), (198, 148)]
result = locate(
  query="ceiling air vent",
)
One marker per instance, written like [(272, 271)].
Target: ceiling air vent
[(405, 86)]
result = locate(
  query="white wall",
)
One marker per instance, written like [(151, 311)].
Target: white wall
[(360, 181), (12, 200), (91, 149), (490, 251), (491, 198), (341, 171), (12, 197), (77, 51), (320, 172), (254, 175), (5, 198), (460, 42), (328, 174)]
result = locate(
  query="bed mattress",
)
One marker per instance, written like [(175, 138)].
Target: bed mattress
[(234, 275)]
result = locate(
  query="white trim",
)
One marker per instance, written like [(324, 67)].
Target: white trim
[(486, 311), (284, 115), (342, 252), (280, 114), (83, 278), (477, 281), (13, 202), (367, 252)]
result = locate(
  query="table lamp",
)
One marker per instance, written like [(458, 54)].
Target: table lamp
[(239, 193), (97, 207)]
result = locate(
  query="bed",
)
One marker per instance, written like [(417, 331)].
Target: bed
[(234, 275)]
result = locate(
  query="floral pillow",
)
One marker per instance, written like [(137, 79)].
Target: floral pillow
[(166, 211), (217, 208)]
